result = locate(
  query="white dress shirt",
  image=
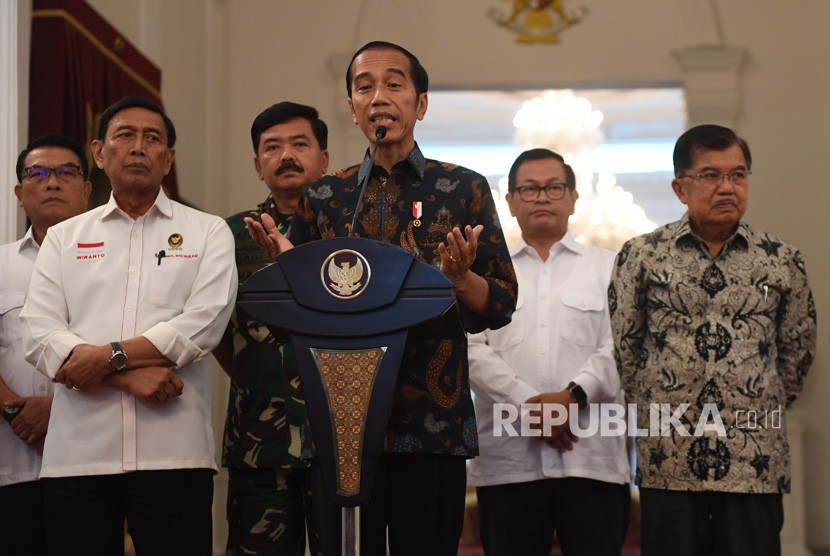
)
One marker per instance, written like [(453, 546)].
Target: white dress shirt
[(100, 278), (19, 461), (561, 332)]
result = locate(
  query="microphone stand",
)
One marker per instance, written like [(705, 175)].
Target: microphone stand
[(350, 516), (380, 133)]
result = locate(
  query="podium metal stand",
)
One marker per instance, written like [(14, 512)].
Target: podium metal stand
[(347, 305)]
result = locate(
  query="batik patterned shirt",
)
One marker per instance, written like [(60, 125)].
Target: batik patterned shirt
[(415, 206), (732, 336), (265, 405)]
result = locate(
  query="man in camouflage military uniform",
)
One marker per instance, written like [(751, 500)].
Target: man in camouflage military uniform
[(261, 447)]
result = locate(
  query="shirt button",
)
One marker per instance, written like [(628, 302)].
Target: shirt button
[(132, 271), (130, 309)]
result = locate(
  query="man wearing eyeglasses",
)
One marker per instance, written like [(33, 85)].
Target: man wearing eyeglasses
[(125, 304), (52, 186), (557, 352), (713, 320)]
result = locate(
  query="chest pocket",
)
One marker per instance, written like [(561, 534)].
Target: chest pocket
[(10, 327), (582, 317), (510, 335), (766, 289), (171, 281)]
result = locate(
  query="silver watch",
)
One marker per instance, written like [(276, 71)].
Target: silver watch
[(118, 359)]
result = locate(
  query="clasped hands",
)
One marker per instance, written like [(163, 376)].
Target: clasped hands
[(87, 369), (31, 423), (560, 436)]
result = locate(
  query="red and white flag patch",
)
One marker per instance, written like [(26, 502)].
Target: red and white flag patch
[(90, 250)]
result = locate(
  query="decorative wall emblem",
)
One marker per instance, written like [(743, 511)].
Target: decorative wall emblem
[(538, 20), (345, 274)]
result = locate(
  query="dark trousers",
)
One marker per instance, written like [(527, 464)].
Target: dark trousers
[(22, 519), (418, 497), (268, 510), (710, 523), (590, 517), (167, 512)]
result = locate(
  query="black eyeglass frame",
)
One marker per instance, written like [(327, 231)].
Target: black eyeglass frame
[(553, 191), (64, 172)]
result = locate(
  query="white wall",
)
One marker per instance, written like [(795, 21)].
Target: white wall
[(223, 61)]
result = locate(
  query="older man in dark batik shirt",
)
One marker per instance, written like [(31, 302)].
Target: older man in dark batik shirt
[(446, 216), (710, 312)]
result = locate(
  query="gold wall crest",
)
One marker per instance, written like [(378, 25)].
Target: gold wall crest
[(537, 20), (345, 274)]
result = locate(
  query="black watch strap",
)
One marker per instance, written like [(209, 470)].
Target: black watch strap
[(578, 393)]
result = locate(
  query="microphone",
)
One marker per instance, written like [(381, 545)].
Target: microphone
[(380, 133)]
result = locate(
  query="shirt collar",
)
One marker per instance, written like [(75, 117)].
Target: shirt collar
[(567, 242), (162, 204), (28, 241), (683, 231), (268, 206), (415, 159)]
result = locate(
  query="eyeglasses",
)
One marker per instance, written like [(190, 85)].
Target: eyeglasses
[(64, 172), (714, 179), (554, 191)]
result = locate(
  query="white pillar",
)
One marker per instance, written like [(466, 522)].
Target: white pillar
[(15, 22)]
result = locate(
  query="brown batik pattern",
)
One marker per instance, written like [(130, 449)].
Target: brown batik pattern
[(348, 377)]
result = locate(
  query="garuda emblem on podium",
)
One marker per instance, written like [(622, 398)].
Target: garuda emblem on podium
[(345, 274)]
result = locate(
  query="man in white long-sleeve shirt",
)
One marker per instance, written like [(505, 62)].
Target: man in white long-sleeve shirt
[(51, 186), (124, 305), (557, 352)]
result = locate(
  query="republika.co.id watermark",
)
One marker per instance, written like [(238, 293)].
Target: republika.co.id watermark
[(614, 419)]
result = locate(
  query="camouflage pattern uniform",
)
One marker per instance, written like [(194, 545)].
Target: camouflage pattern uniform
[(268, 485)]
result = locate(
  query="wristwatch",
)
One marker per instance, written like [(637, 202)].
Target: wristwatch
[(578, 393), (118, 359), (9, 413)]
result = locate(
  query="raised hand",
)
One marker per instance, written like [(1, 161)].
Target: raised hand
[(459, 253), (267, 236)]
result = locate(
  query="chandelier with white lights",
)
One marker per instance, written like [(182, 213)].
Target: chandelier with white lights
[(560, 119), (605, 214)]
